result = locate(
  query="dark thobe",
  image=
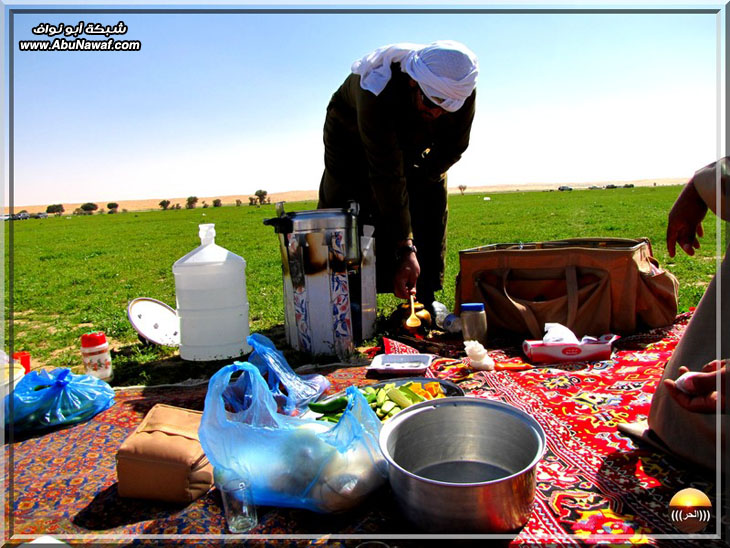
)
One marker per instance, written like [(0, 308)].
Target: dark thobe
[(381, 152)]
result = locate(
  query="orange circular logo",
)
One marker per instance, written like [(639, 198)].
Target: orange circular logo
[(690, 510)]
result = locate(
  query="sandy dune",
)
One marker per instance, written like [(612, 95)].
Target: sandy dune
[(300, 195)]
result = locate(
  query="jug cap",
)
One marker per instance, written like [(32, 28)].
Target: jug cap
[(206, 233), (95, 338), (154, 321)]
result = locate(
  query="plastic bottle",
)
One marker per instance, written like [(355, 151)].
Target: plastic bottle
[(96, 356), (440, 312), (452, 323), (474, 322), (210, 290)]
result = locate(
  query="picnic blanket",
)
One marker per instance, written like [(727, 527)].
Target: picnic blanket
[(593, 485)]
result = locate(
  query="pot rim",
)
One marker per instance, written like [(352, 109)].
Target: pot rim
[(425, 406)]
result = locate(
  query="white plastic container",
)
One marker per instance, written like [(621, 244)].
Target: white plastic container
[(96, 356), (210, 290), (8, 369)]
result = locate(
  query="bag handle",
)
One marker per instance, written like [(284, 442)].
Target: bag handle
[(528, 316), (261, 398)]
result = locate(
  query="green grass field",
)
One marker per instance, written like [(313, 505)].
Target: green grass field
[(71, 275)]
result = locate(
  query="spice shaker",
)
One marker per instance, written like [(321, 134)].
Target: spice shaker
[(96, 356), (474, 322)]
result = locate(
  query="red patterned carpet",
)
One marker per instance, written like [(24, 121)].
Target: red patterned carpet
[(594, 485)]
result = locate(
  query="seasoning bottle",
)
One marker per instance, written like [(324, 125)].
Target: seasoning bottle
[(474, 322), (96, 356)]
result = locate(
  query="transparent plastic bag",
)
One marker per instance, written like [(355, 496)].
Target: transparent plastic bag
[(271, 363), (292, 461), (42, 400)]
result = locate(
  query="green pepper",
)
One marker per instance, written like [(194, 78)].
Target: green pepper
[(330, 406)]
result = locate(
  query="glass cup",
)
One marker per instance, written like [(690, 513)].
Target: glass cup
[(238, 506)]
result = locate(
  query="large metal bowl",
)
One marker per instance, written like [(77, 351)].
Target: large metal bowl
[(463, 464)]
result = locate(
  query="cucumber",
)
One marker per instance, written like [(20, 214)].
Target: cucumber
[(387, 406), (399, 398), (393, 411), (330, 406), (411, 395)]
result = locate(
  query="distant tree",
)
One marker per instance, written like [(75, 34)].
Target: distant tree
[(462, 188), (253, 200), (79, 211), (55, 208), (177, 206), (205, 204), (88, 206), (261, 195), (217, 202), (124, 210), (238, 203), (101, 211), (112, 205), (191, 201), (164, 204)]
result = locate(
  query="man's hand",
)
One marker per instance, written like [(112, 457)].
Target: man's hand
[(406, 275), (684, 225), (701, 395)]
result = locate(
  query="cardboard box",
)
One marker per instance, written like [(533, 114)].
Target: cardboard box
[(546, 353)]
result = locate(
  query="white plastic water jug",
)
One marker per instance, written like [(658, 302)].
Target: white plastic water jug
[(210, 289)]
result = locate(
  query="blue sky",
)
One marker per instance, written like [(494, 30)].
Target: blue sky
[(222, 104)]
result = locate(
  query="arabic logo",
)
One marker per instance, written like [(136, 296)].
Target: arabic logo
[(690, 510)]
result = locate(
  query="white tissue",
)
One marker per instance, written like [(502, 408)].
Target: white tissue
[(558, 333), (682, 382), (478, 357)]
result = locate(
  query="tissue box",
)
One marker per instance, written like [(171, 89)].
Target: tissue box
[(542, 352)]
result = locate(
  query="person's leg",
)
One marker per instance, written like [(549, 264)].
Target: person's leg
[(692, 435), (428, 200)]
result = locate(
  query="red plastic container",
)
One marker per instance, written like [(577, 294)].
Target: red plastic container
[(23, 358)]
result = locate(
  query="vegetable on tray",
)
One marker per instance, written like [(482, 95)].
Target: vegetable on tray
[(386, 401)]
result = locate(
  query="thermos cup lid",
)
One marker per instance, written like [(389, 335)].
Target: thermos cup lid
[(472, 307)]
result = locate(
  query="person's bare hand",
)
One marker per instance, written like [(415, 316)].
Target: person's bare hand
[(701, 395), (684, 224), (406, 276)]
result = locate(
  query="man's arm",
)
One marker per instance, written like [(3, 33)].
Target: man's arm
[(451, 143)]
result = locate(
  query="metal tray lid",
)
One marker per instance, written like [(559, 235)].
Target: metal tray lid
[(154, 321)]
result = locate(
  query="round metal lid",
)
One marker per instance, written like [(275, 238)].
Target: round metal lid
[(154, 321)]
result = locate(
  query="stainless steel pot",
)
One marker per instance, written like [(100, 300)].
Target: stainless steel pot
[(463, 464)]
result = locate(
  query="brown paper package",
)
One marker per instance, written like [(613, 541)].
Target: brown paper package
[(163, 459)]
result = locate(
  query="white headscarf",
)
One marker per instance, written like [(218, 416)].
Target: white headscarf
[(446, 71)]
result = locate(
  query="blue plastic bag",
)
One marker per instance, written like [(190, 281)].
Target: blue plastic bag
[(291, 461), (271, 363), (43, 400)]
